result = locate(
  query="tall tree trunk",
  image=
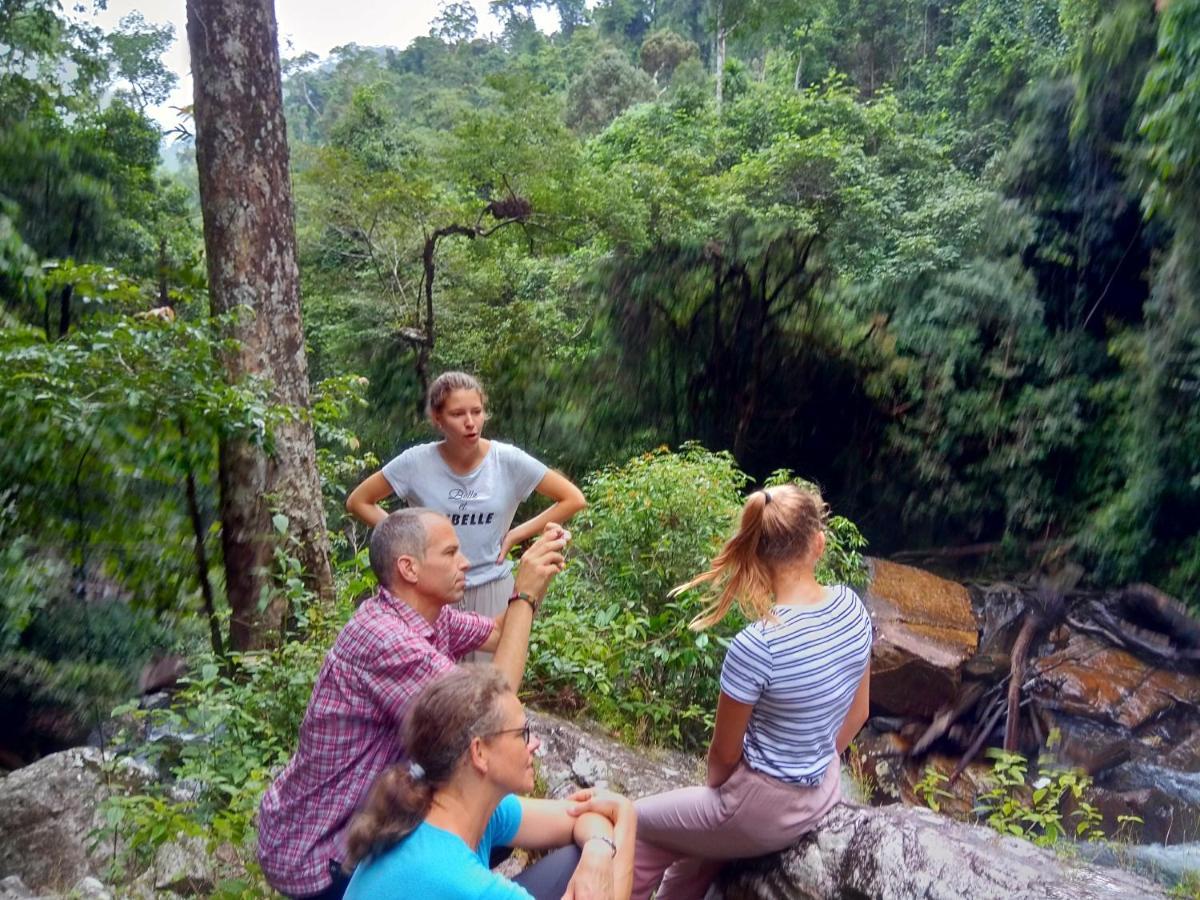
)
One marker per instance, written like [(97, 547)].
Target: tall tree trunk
[(250, 240), (68, 291), (721, 34), (198, 533), (64, 309), (164, 270), (514, 209)]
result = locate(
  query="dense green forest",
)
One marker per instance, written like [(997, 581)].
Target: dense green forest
[(931, 255), (937, 256)]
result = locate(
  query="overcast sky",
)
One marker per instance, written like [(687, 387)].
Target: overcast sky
[(304, 25)]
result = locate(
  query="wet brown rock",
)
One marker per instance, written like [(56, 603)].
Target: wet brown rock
[(1167, 802), (881, 758), (1161, 822), (1090, 679), (162, 673), (925, 631), (1094, 750), (1185, 756)]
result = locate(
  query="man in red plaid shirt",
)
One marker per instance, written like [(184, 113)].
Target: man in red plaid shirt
[(395, 644)]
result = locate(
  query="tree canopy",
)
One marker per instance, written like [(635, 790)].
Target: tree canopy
[(936, 256)]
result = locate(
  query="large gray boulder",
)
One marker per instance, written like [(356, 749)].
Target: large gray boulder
[(89, 888), (48, 811), (898, 853), (574, 756), (883, 853), (50, 815)]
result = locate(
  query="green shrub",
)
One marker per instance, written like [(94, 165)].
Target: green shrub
[(1188, 886), (656, 521), (55, 705), (26, 586), (244, 713), (610, 642), (63, 662), (1035, 812)]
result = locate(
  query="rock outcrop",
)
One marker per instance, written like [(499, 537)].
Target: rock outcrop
[(50, 816), (1090, 679), (1105, 683), (925, 631), (950, 668), (89, 888), (859, 851), (573, 756), (49, 810), (896, 853)]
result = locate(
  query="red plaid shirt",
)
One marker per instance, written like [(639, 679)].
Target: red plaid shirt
[(351, 732)]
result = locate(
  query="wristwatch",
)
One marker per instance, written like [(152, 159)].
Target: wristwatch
[(521, 595)]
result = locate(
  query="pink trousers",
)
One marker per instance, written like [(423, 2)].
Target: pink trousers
[(684, 837)]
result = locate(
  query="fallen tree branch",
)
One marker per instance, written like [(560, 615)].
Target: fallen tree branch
[(948, 715), (980, 739), (974, 550), (1020, 655)]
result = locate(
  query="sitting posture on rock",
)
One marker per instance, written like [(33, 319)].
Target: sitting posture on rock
[(794, 692), (430, 825), (395, 644)]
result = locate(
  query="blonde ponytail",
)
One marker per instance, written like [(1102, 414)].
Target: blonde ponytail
[(777, 526)]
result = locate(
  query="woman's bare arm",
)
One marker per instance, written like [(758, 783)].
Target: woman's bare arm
[(860, 709), (363, 502), (568, 500), (725, 750), (603, 817)]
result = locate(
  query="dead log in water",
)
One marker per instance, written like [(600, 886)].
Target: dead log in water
[(1081, 679)]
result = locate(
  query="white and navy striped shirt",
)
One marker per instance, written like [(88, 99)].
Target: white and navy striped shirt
[(800, 672)]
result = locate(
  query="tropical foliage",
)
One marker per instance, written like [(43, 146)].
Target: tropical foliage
[(936, 258)]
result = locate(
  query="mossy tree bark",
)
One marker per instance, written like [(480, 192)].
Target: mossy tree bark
[(249, 236)]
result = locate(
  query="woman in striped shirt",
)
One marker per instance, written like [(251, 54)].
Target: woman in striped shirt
[(794, 692)]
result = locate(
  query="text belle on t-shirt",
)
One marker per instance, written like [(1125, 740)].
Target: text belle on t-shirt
[(457, 519)]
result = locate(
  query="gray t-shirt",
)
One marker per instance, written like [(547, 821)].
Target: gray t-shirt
[(480, 504)]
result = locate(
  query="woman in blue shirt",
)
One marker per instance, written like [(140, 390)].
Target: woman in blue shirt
[(429, 825)]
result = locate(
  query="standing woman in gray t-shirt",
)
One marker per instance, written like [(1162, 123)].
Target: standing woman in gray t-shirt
[(476, 483)]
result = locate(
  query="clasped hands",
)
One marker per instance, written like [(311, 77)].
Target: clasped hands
[(594, 876)]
